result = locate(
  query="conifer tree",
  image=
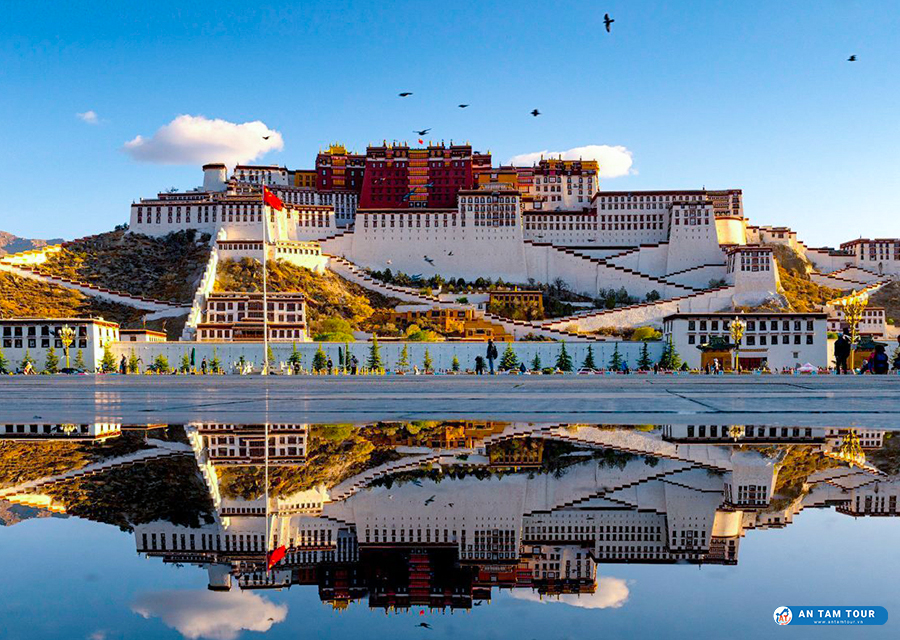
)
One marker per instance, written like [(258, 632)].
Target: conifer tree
[(615, 362), (294, 359), (454, 365), (536, 362), (134, 363), (51, 364), (215, 364), (270, 356), (564, 360), (427, 361), (589, 359), (403, 362), (644, 362), (320, 360), (4, 363), (79, 360), (374, 359), (26, 360), (508, 361), (185, 363), (160, 364), (108, 363)]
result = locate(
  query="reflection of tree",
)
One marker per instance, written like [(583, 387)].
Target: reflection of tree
[(851, 449)]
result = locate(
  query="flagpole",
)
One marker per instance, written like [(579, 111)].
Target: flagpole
[(265, 367), (266, 445)]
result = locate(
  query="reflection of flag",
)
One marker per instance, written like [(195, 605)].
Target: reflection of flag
[(274, 557), (272, 200)]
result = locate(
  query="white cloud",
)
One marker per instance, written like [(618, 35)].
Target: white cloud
[(218, 615), (88, 116), (198, 140), (614, 161), (611, 593)]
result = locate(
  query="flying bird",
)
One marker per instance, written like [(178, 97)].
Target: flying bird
[(428, 260), (450, 253), (535, 113), (430, 500), (405, 94), (852, 58), (424, 625), (450, 504), (607, 21), (422, 132), (390, 262), (463, 106), (266, 137)]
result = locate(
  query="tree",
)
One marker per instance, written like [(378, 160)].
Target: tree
[(508, 361), (4, 363), (51, 364), (334, 330), (403, 362), (270, 357), (589, 359), (615, 361), (645, 333), (160, 364), (134, 363), (294, 358), (108, 363), (563, 360), (454, 365), (670, 359), (185, 363), (536, 363), (215, 364), (374, 360), (26, 360), (644, 363), (320, 360), (653, 296), (79, 360), (427, 361)]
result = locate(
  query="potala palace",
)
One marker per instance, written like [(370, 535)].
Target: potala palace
[(446, 210)]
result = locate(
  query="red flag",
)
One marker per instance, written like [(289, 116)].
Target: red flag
[(421, 141), (274, 557), (272, 200)]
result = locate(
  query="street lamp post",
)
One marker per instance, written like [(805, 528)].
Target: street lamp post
[(853, 306), (737, 329), (67, 337)]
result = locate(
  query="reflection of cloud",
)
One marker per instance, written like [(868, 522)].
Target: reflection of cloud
[(210, 614), (97, 635), (614, 161), (611, 593), (88, 116), (197, 140)]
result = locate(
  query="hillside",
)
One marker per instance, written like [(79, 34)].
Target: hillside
[(327, 295), (10, 243), (166, 268), (26, 298), (889, 298), (802, 294)]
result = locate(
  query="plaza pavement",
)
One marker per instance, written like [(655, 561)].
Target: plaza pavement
[(863, 401)]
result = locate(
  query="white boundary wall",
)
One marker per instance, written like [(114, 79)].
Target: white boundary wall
[(441, 352)]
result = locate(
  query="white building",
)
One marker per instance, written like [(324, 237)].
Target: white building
[(35, 336), (776, 339)]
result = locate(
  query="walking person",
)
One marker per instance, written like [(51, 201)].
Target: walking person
[(203, 366), (842, 350), (492, 354), (123, 366), (879, 363)]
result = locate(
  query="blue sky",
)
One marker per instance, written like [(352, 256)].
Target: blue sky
[(723, 94)]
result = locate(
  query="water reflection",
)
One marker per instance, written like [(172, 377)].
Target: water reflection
[(442, 514)]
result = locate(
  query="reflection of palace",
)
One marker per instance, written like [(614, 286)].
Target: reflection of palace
[(443, 515), (51, 432)]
